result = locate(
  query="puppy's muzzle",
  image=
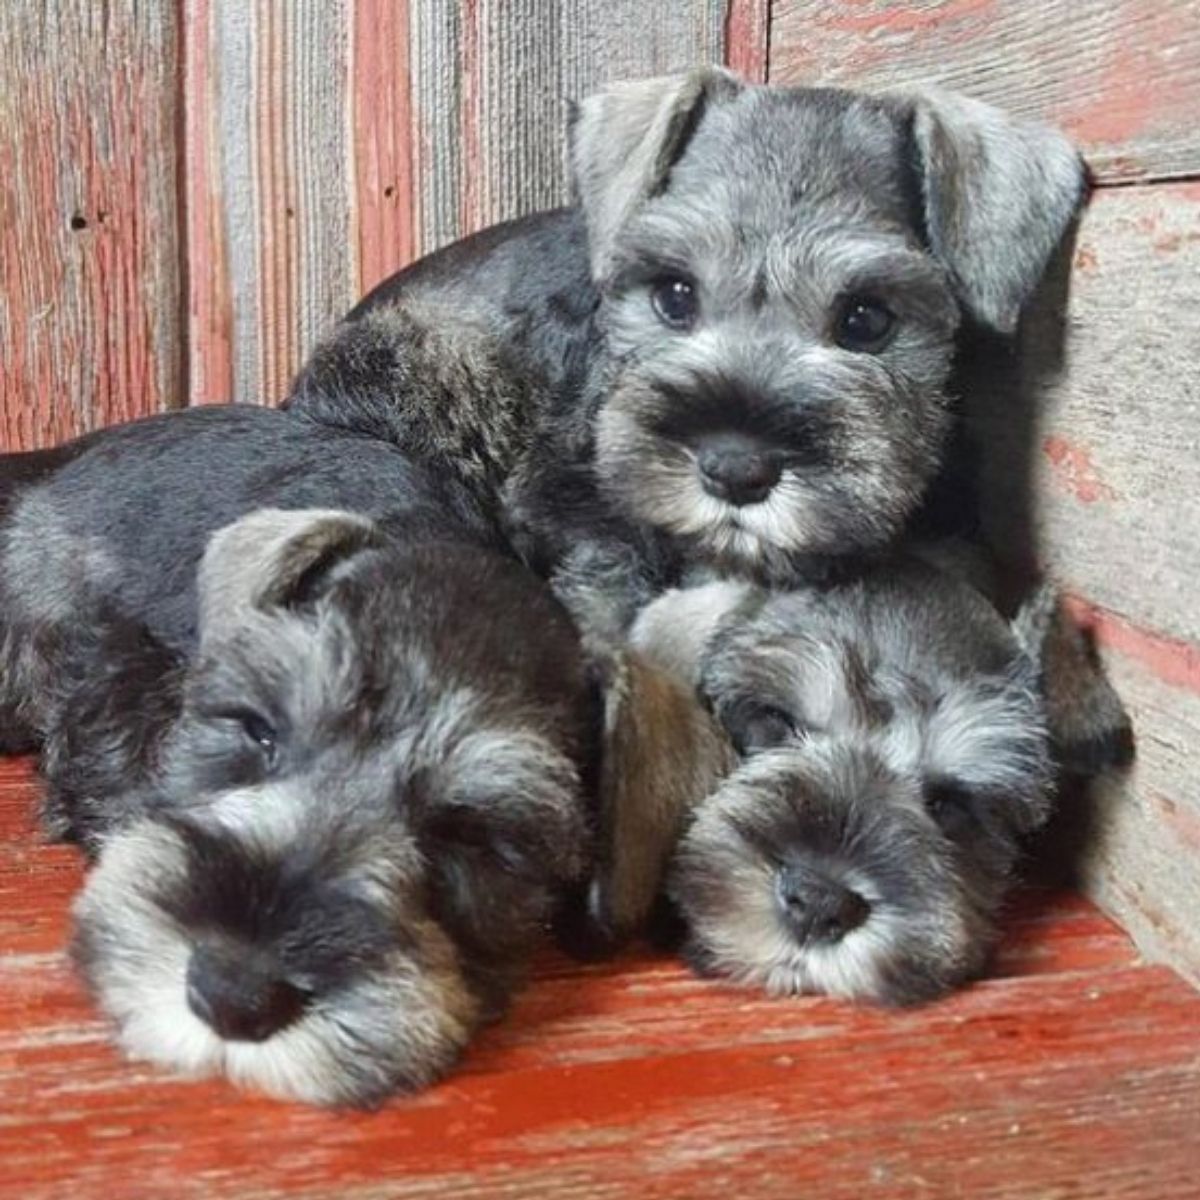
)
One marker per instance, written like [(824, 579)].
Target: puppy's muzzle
[(240, 1002), (817, 909), (737, 469)]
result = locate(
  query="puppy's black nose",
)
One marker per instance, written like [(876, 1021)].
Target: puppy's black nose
[(817, 908), (737, 469), (241, 1002)]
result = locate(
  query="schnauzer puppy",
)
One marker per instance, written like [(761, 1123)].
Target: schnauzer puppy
[(737, 343), (744, 328), (339, 771), (323, 858), (894, 750)]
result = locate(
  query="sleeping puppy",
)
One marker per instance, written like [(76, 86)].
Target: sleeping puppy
[(328, 839), (340, 767), (893, 752)]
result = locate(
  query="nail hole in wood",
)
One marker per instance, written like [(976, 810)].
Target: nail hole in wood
[(79, 221)]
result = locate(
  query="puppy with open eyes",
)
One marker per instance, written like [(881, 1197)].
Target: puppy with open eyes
[(740, 339), (339, 766), (894, 751)]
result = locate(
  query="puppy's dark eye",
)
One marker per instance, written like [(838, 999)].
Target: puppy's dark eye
[(258, 731), (864, 325), (675, 302), (760, 728), (950, 804)]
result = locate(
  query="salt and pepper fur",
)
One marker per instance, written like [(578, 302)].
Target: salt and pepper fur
[(894, 748)]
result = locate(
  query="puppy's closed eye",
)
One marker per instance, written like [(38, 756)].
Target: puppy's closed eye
[(953, 806), (754, 726)]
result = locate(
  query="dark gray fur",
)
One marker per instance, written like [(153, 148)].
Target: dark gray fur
[(894, 752), (436, 724), (778, 204)]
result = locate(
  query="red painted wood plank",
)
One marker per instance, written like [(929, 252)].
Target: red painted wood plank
[(209, 305), (382, 125), (1006, 1091), (1121, 76), (747, 38), (90, 321), (1073, 1071)]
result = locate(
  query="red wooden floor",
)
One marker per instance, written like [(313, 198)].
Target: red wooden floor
[(1073, 1072)]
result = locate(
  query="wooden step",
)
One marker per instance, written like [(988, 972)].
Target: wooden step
[(1073, 1070)]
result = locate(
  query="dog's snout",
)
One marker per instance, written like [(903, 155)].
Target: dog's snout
[(241, 1002), (737, 469), (819, 909)]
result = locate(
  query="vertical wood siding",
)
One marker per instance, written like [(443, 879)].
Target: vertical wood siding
[(1122, 77), (90, 303), (335, 141)]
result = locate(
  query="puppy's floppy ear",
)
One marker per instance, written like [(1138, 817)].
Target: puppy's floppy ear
[(276, 557), (1089, 727), (624, 140), (662, 754), (999, 194)]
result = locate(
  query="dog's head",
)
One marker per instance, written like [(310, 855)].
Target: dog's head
[(782, 273), (893, 751), (360, 818)]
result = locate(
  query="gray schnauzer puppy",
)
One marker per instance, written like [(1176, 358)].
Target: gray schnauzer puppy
[(324, 858), (738, 341), (339, 768), (746, 325), (894, 750)]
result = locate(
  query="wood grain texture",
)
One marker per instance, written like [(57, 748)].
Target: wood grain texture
[(1139, 832), (1120, 76), (90, 308), (748, 37), (492, 80), (268, 134), (1073, 1071), (1104, 430), (382, 125)]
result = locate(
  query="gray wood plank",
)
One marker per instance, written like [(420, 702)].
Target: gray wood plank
[(1122, 77)]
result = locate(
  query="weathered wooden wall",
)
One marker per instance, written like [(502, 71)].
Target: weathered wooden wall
[(90, 316), (192, 190), (1093, 431)]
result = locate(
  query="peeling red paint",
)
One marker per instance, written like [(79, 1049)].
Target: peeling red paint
[(1074, 471), (1174, 661), (746, 38), (1182, 821), (383, 133), (209, 303), (910, 18), (88, 246)]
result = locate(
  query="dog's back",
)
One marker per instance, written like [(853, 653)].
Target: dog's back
[(18, 473), (120, 519)]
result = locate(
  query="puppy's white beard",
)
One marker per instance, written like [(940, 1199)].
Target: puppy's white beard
[(138, 971), (783, 522), (751, 944), (142, 986)]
